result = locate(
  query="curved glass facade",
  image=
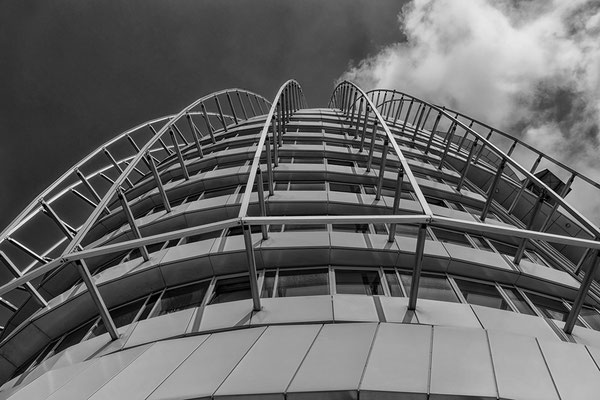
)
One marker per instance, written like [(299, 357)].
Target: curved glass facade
[(381, 247)]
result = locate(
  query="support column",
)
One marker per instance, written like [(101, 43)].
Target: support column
[(251, 268)]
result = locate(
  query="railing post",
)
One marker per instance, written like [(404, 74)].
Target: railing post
[(251, 267), (235, 118), (358, 115), (134, 228), (397, 197), (372, 145), (269, 164), (89, 187), (490, 194), (407, 116), (275, 144), (524, 185), (116, 165), (534, 212), (251, 105), (159, 184), (261, 201), (467, 166), (239, 97), (208, 124), (416, 277), (86, 277), (447, 147), (364, 130), (386, 144), (184, 170), (195, 131), (581, 294), (435, 125), (563, 193), (399, 109), (162, 143), (221, 116)]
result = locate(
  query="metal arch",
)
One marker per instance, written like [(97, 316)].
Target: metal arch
[(392, 139), (485, 142), (33, 208)]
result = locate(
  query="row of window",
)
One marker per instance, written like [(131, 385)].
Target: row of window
[(325, 281)]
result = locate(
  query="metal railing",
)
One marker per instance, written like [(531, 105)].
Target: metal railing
[(30, 249)]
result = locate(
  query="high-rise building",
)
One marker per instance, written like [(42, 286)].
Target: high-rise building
[(382, 247)]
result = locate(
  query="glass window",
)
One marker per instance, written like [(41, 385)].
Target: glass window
[(121, 316), (307, 227), (358, 228), (358, 282), (342, 163), (408, 230), (535, 257), (181, 298), (74, 336), (344, 187), (393, 284), (454, 237), (308, 185), (481, 242), (268, 284), (432, 287), (591, 316), (482, 294), (518, 301), (149, 305), (231, 289), (281, 185), (308, 160), (504, 248), (303, 283), (551, 308), (203, 236), (209, 194)]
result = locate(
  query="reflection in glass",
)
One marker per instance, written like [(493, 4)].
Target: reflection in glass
[(181, 298), (482, 294), (231, 289), (302, 283), (358, 282), (431, 287)]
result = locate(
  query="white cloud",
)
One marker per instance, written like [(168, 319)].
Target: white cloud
[(531, 68)]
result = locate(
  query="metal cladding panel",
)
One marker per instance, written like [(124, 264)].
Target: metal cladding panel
[(206, 368), (351, 307), (270, 364), (294, 309), (335, 361), (573, 370), (432, 312), (399, 361), (395, 309), (93, 378), (51, 381), (521, 371), (521, 324), (586, 336), (225, 315), (187, 263), (461, 364), (161, 327), (144, 374), (285, 249)]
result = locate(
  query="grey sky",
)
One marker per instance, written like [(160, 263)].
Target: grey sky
[(74, 74)]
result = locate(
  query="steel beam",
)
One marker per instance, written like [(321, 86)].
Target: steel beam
[(524, 185), (83, 197), (435, 125), (490, 194), (372, 146), (269, 164), (116, 165), (27, 250), (416, 276), (209, 126), (235, 118), (134, 228), (407, 116), (221, 116), (261, 201), (364, 130), (28, 286), (162, 143), (184, 170), (358, 115), (89, 187), (185, 142), (397, 197), (465, 170), (534, 213), (386, 145), (399, 109), (562, 194), (195, 135), (581, 294), (251, 268), (447, 147), (275, 144), (159, 184)]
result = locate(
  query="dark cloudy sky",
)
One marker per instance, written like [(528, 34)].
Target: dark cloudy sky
[(75, 73)]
